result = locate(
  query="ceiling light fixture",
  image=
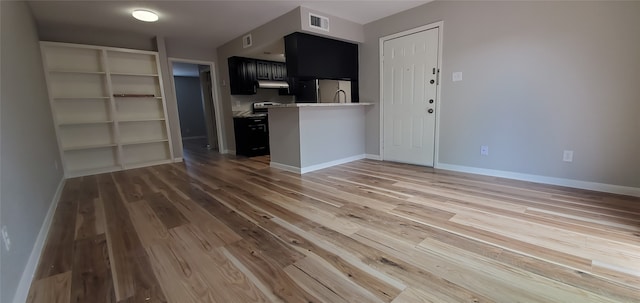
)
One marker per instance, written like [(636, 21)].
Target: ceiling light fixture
[(145, 15)]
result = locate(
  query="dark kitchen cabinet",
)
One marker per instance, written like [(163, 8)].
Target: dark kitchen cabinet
[(263, 69), (244, 72), (252, 136), (242, 75), (278, 71), (314, 57), (270, 70)]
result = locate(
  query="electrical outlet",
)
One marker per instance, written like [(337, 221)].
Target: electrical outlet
[(5, 238), (456, 76), (567, 156), (484, 150)]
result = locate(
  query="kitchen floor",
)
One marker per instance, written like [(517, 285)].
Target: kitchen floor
[(220, 228)]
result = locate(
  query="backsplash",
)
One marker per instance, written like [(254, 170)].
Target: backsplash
[(243, 102)]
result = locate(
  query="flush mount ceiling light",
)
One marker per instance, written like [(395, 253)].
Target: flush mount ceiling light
[(145, 15)]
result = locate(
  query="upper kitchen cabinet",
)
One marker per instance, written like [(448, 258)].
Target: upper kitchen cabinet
[(278, 71), (245, 72), (310, 56), (263, 70), (242, 75), (270, 70)]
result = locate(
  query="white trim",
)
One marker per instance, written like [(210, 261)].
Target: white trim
[(440, 26), (215, 94), (178, 159), (602, 187), (373, 157), (311, 168), (22, 291), (307, 169), (285, 167), (229, 151)]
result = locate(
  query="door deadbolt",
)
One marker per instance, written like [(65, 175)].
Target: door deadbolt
[(430, 110)]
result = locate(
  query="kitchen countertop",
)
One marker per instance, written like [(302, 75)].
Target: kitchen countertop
[(317, 105)]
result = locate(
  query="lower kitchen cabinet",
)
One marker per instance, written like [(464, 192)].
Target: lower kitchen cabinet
[(252, 136)]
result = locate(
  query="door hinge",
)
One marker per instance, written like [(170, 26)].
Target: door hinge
[(438, 77)]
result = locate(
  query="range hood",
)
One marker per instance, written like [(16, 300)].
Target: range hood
[(272, 84)]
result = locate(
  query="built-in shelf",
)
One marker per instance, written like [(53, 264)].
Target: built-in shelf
[(140, 120), (145, 141), (77, 72), (146, 163), (134, 96), (98, 170), (79, 123), (80, 98), (97, 128), (92, 146), (134, 74)]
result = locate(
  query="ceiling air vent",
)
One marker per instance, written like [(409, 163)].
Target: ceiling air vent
[(319, 22), (247, 41)]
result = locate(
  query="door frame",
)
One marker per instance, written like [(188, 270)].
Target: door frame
[(439, 25), (215, 95)]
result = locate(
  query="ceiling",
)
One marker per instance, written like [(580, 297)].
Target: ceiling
[(211, 23)]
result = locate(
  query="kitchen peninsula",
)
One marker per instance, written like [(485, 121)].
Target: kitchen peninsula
[(309, 136)]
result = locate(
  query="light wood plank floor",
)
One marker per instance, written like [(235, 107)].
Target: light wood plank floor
[(226, 229)]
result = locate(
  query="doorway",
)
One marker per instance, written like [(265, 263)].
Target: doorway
[(198, 108), (409, 81)]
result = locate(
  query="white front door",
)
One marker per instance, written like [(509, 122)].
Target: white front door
[(409, 81)]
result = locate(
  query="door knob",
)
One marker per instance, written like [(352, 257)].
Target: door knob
[(430, 110), (430, 100), (432, 81)]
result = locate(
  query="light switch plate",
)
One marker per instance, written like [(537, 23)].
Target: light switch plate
[(484, 150), (457, 76), (567, 156)]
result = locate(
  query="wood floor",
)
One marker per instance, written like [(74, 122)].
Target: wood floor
[(225, 229)]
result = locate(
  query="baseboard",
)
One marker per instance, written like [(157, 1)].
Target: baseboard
[(178, 159), (373, 157), (22, 291), (602, 187), (311, 168), (229, 151), (285, 167), (307, 169)]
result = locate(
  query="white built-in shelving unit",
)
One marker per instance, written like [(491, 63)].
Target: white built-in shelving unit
[(108, 107)]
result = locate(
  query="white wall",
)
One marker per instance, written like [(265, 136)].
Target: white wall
[(538, 78), (28, 148), (329, 134), (284, 136)]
